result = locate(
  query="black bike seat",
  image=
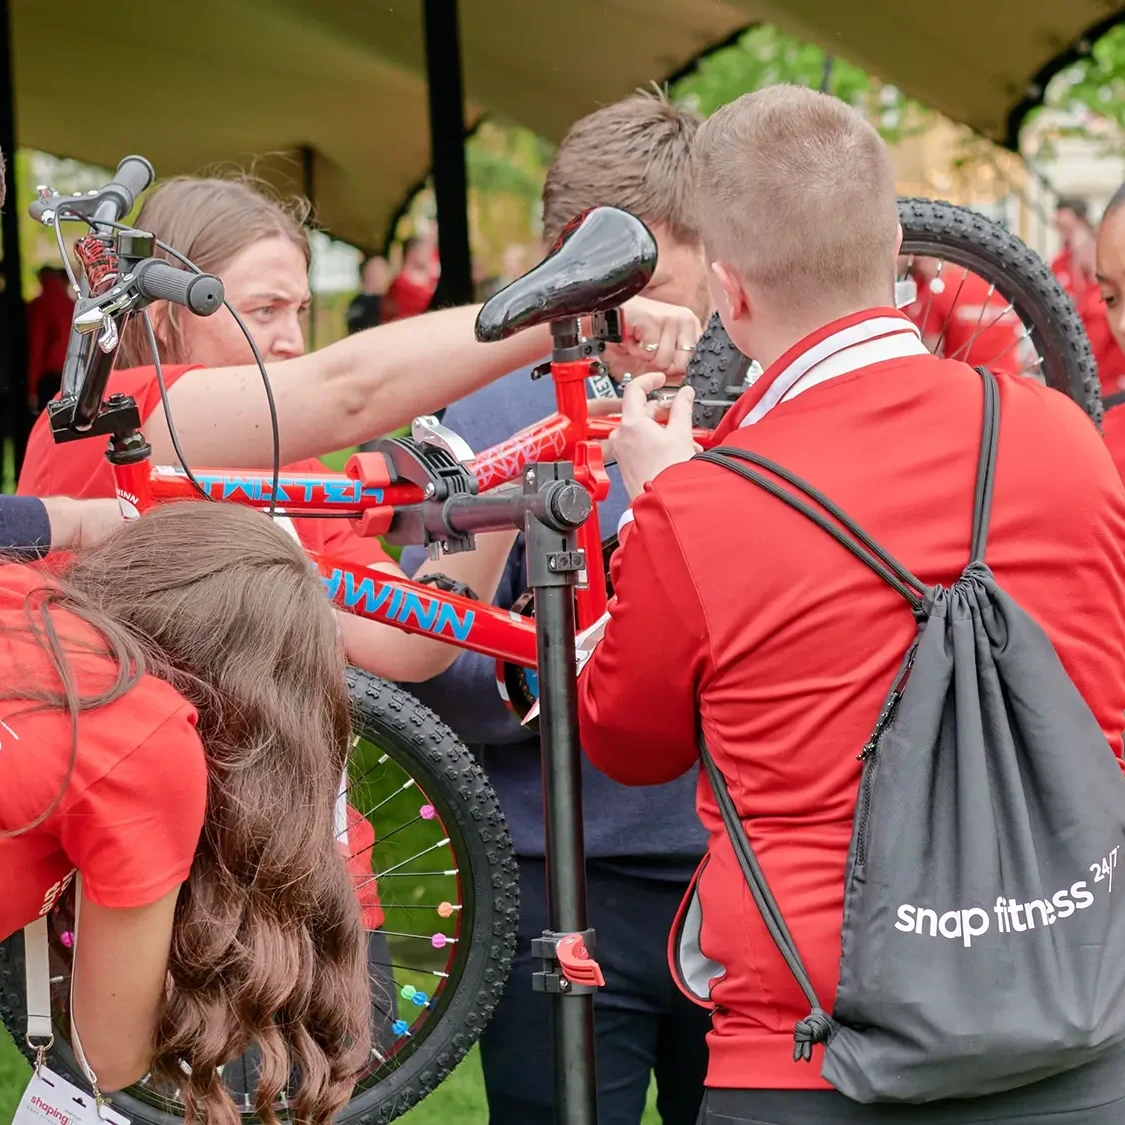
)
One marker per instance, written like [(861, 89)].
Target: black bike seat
[(602, 258)]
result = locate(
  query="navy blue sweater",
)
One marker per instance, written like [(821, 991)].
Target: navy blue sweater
[(25, 531), (651, 830)]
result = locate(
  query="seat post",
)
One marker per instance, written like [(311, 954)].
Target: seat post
[(571, 363)]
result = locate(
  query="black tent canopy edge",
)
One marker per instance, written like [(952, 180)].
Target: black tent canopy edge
[(1036, 90)]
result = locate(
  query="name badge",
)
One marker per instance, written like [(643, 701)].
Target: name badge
[(52, 1099)]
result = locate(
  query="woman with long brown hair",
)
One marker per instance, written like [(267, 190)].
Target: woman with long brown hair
[(258, 246), (173, 729)]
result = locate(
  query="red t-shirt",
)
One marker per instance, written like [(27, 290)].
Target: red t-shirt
[(971, 322), (130, 816), (357, 844), (79, 469), (786, 651), (1113, 429), (406, 296)]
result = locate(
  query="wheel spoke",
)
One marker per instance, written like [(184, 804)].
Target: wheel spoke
[(417, 855), (956, 298)]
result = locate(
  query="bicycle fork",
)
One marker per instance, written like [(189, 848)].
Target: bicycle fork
[(568, 971)]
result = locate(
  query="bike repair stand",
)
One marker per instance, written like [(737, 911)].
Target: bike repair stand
[(568, 971)]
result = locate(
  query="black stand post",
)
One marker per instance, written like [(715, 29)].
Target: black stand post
[(308, 190), (13, 325), (553, 563), (447, 148)]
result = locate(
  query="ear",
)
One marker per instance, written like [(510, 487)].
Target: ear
[(163, 326), (727, 292)]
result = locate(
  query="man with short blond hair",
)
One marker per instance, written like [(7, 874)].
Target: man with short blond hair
[(822, 247), (642, 847), (781, 657)]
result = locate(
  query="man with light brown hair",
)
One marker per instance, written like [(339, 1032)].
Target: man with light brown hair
[(781, 657), (642, 846), (635, 154)]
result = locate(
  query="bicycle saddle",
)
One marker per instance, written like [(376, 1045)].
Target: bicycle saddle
[(602, 258)]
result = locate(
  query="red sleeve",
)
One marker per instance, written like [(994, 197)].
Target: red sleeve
[(142, 384), (341, 542), (133, 833), (637, 693)]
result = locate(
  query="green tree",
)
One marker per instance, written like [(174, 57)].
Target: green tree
[(1090, 95), (765, 56)]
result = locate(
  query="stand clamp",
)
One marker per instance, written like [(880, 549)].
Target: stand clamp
[(568, 967), (118, 416), (434, 468)]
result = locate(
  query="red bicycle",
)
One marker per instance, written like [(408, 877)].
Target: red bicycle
[(425, 835)]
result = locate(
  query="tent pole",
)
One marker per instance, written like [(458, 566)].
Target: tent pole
[(12, 323), (447, 146), (308, 190)]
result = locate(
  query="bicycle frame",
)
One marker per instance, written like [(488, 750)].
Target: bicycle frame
[(364, 491)]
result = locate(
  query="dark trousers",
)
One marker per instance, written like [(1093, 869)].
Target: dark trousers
[(1090, 1095), (644, 1025)]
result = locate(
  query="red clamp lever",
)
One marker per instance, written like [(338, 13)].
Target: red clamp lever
[(577, 965)]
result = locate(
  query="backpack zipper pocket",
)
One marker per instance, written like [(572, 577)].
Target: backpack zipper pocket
[(869, 756)]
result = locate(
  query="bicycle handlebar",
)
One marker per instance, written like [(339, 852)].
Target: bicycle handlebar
[(107, 204), (562, 505), (157, 280)]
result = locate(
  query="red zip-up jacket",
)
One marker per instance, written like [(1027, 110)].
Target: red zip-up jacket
[(735, 611)]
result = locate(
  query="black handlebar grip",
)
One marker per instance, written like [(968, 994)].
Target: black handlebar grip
[(133, 175), (158, 280)]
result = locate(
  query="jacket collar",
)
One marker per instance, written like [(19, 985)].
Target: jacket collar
[(845, 345)]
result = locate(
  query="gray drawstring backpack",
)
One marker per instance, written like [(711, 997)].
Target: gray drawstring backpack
[(983, 932)]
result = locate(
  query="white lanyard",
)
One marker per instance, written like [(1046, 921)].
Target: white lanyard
[(37, 972)]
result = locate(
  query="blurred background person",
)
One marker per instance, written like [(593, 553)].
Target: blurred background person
[(962, 317), (366, 308), (1106, 322), (1074, 263), (412, 289), (48, 330)]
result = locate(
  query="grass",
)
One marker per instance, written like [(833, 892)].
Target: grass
[(14, 1073), (459, 1100)]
